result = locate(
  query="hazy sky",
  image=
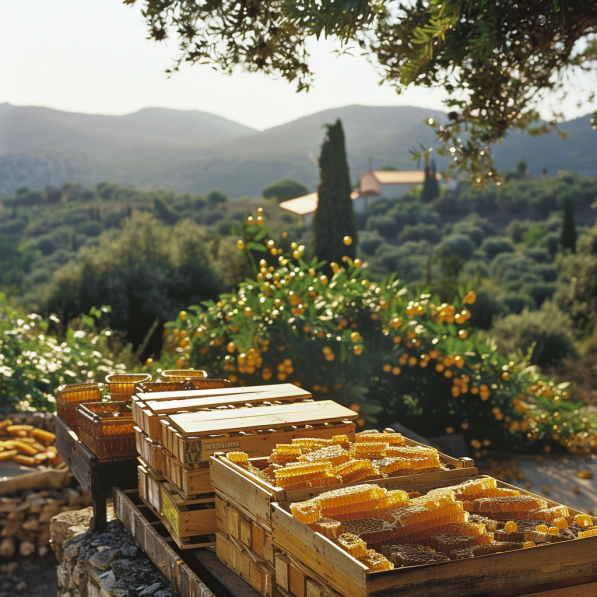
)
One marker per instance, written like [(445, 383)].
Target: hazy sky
[(93, 56)]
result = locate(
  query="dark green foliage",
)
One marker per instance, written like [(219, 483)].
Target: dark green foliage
[(216, 197), (496, 245), (334, 217), (369, 241), (384, 225), (284, 190), (148, 273), (485, 309), (568, 239), (548, 332), (428, 232), (430, 185), (457, 245)]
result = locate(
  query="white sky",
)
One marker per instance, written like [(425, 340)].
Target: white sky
[(93, 56)]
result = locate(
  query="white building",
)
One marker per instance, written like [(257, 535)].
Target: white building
[(373, 184)]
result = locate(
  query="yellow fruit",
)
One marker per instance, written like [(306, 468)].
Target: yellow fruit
[(396, 370), (355, 336), (387, 367), (347, 240), (240, 244), (357, 263), (357, 350), (182, 315), (462, 334)]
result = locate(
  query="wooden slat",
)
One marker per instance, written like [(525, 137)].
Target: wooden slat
[(340, 570), (194, 450), (164, 407), (506, 574), (283, 389), (96, 476), (584, 590), (261, 417)]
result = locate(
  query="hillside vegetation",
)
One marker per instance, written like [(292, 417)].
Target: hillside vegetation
[(196, 152)]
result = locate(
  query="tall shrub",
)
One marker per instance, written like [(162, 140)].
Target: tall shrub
[(335, 223)]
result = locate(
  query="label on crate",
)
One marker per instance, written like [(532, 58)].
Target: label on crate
[(199, 452), (169, 512)]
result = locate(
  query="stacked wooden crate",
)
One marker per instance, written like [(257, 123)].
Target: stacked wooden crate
[(244, 502), (180, 431), (307, 563)]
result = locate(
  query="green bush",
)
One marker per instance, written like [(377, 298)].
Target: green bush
[(496, 245), (378, 348), (547, 333), (34, 362)]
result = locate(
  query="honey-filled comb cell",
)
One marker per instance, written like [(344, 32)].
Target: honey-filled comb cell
[(307, 512), (375, 561), (352, 544), (328, 527)]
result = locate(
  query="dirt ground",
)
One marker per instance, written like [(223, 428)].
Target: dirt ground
[(34, 577)]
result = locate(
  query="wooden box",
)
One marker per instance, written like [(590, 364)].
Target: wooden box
[(521, 572), (196, 517), (254, 496), (247, 564), (195, 437), (150, 408), (149, 488), (151, 451), (189, 480)]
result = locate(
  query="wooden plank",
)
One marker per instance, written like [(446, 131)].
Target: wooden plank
[(254, 496), (97, 477), (498, 575), (189, 520), (283, 389), (190, 480), (165, 407), (340, 570), (260, 417), (194, 450), (584, 590)]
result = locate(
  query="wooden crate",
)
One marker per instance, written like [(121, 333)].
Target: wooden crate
[(247, 564), (149, 488), (254, 496), (191, 518), (253, 534), (188, 480), (150, 450), (192, 572), (519, 572), (194, 437), (150, 408)]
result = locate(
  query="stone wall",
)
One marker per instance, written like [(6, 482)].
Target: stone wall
[(106, 564)]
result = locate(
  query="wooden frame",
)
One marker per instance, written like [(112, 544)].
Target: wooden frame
[(518, 572), (188, 518), (149, 409), (96, 476), (188, 480), (192, 573), (192, 450), (150, 450), (255, 497)]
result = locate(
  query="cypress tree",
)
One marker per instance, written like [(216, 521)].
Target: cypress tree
[(334, 217), (430, 186), (568, 239)]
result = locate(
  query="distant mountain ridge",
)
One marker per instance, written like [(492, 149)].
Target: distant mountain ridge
[(197, 151)]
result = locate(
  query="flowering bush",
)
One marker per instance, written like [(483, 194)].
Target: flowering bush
[(33, 362), (376, 347)]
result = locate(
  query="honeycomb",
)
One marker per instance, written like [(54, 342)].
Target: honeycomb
[(375, 561), (352, 544)]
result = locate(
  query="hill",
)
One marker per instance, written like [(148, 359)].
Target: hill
[(196, 151)]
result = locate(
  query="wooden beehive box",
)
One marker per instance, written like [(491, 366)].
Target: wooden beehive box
[(195, 437), (150, 408), (254, 496), (549, 567)]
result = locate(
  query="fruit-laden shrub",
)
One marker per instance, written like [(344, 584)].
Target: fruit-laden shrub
[(34, 362), (375, 347)]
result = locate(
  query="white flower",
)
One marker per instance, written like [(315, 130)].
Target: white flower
[(79, 334)]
